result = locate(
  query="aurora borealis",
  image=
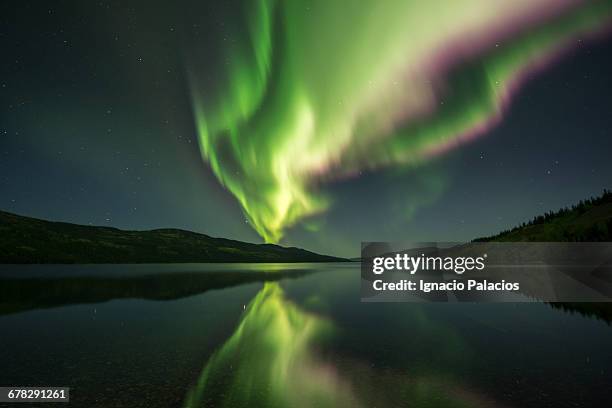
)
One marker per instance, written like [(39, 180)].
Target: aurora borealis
[(313, 124), (270, 360), (195, 131), (325, 90), (278, 356)]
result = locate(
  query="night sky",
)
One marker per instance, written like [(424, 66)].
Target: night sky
[(98, 127)]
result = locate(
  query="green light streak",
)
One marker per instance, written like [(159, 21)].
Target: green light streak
[(324, 89), (271, 360), (268, 361)]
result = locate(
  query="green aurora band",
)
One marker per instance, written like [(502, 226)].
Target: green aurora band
[(320, 90), (276, 358), (268, 360)]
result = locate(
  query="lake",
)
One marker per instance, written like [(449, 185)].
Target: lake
[(281, 335)]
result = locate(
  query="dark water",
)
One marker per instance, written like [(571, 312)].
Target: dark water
[(285, 335)]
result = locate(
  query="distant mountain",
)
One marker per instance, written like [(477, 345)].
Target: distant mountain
[(31, 240), (588, 221)]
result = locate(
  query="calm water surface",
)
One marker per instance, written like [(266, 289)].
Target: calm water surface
[(291, 335)]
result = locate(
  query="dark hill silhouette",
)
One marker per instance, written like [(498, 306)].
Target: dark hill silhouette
[(588, 221), (31, 240)]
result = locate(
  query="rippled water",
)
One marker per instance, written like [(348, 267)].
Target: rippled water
[(285, 335)]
